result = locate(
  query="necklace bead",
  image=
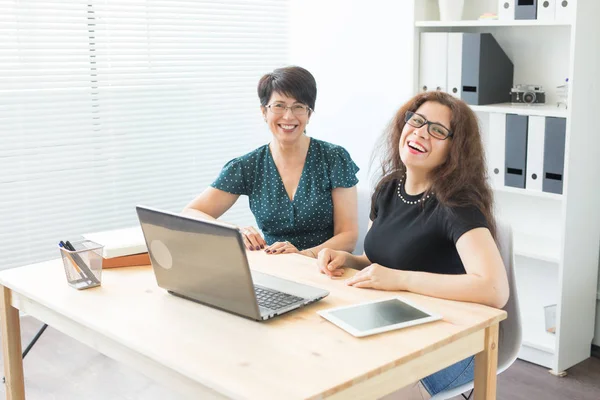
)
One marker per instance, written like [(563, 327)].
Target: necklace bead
[(421, 200)]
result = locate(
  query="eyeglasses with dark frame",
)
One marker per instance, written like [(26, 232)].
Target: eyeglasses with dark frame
[(297, 109), (435, 129)]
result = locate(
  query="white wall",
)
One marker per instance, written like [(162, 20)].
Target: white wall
[(360, 53)]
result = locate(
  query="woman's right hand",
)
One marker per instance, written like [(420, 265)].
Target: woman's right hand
[(331, 262), (252, 238)]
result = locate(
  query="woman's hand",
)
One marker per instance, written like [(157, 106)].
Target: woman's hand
[(331, 262), (377, 277), (281, 248), (252, 239)]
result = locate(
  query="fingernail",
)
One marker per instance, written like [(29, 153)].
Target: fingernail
[(268, 251), (262, 246), (252, 248), (330, 267)]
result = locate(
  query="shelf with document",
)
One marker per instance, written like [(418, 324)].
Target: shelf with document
[(528, 192), (486, 23), (542, 110), (536, 247)]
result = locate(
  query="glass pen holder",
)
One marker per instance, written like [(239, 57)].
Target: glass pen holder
[(550, 318), (562, 93), (83, 267)]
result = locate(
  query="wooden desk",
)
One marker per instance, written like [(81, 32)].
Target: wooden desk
[(213, 354)]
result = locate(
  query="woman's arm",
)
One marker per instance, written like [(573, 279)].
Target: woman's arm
[(213, 203), (332, 262), (210, 204), (345, 225), (485, 281)]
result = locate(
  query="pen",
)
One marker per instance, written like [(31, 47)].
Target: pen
[(73, 263), (82, 265)]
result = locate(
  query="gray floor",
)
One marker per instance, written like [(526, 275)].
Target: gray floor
[(61, 368)]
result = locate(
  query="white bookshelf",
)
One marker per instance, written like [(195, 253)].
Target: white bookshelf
[(486, 23), (543, 110), (556, 236)]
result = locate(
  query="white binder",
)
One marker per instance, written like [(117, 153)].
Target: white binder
[(546, 10), (535, 153), (455, 44), (433, 61), (506, 10), (496, 147), (565, 10)]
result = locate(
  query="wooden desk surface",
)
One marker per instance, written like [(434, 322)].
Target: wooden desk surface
[(298, 355)]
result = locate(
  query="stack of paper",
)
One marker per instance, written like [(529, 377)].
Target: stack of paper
[(122, 247)]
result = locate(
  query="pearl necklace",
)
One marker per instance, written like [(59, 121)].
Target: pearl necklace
[(421, 200)]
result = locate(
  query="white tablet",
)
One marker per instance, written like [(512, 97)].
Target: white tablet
[(378, 316)]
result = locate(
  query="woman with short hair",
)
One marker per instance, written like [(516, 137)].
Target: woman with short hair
[(301, 190)]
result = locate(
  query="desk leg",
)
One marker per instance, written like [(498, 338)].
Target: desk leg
[(486, 366), (11, 347)]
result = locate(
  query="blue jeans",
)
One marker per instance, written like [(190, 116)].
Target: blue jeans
[(453, 376)]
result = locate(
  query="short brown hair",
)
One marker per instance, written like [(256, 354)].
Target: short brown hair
[(292, 81), (462, 179)]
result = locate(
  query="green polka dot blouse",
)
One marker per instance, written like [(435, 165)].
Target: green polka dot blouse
[(307, 221)]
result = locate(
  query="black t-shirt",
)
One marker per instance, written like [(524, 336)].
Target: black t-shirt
[(413, 237)]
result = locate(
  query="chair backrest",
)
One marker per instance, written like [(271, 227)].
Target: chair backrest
[(364, 210), (510, 337)]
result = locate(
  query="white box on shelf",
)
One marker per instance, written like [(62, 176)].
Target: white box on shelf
[(433, 61), (496, 147), (564, 10), (506, 10), (546, 10), (535, 153), (451, 10), (455, 44)]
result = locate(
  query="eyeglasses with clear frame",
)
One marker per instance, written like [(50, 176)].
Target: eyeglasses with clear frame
[(297, 109), (435, 129)]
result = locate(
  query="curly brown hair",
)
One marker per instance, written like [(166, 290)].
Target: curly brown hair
[(462, 179)]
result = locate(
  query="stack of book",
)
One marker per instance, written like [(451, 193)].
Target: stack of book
[(122, 247)]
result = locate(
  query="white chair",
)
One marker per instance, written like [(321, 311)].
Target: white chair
[(509, 340), (364, 210)]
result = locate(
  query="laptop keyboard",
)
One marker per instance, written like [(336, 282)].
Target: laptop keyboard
[(274, 300)]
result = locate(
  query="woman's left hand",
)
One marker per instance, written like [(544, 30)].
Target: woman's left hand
[(281, 248), (377, 277)]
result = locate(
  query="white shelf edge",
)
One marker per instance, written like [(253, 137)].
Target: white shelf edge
[(538, 347), (526, 192), (539, 357), (545, 110), (530, 246), (485, 23), (536, 256)]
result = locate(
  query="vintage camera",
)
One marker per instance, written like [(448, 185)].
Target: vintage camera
[(529, 94)]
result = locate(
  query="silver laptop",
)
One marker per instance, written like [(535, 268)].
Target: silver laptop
[(206, 261)]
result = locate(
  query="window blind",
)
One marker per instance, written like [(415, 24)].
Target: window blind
[(108, 104)]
